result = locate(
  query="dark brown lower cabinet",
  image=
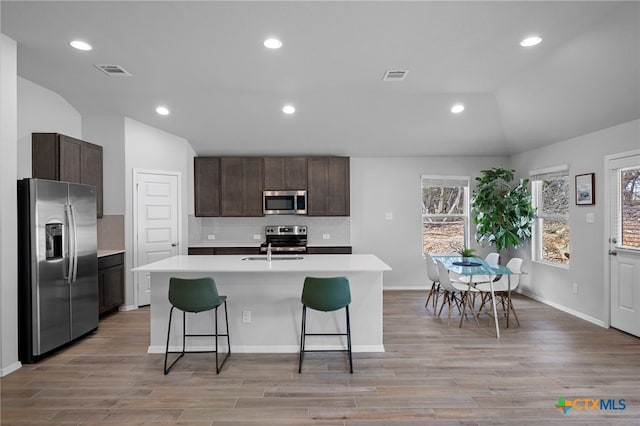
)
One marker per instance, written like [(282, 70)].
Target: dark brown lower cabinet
[(329, 250), (223, 250), (110, 283)]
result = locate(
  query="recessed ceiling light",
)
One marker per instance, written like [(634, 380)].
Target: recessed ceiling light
[(457, 108), (162, 110), (530, 41), (80, 45), (288, 109), (272, 43)]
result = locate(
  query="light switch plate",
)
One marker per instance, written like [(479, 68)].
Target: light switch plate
[(591, 217), (388, 216)]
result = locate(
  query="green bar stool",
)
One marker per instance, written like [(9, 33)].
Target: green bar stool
[(196, 295), (325, 294)]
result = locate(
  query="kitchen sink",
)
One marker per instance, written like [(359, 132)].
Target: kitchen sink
[(273, 258)]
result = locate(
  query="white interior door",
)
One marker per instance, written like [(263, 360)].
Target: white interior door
[(157, 223), (624, 243)]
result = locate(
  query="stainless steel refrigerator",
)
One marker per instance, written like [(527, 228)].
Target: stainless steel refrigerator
[(57, 265)]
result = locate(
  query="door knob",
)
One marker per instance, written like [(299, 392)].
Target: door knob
[(613, 253), (174, 244)]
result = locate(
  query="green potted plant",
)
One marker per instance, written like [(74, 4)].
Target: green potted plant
[(502, 211), (466, 253)]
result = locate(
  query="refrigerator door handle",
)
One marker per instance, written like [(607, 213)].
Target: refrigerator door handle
[(71, 244), (69, 254), (74, 255)]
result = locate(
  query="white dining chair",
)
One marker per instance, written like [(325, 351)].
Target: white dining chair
[(454, 292), (491, 259), (501, 287), (432, 274)]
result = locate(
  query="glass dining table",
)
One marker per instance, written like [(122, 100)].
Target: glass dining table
[(478, 266)]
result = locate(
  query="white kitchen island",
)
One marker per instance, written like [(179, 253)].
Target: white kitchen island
[(264, 306)]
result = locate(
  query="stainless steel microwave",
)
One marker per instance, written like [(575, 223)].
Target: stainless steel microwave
[(284, 202)]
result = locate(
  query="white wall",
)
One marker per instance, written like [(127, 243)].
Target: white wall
[(148, 148), (41, 110), (393, 185), (8, 214), (584, 154), (108, 131)]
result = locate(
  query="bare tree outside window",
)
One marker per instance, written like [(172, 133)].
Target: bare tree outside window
[(445, 218), (551, 227), (630, 195)]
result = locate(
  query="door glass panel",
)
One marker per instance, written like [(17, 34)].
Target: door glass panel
[(630, 207)]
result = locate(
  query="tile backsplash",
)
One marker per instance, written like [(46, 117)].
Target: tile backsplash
[(111, 232), (243, 229)]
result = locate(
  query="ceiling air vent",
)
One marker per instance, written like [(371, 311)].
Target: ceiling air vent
[(394, 75), (114, 70)]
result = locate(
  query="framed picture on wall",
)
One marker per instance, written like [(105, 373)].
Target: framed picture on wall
[(585, 189)]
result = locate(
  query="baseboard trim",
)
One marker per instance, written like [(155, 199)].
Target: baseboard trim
[(10, 368), (279, 349), (125, 308), (564, 308)]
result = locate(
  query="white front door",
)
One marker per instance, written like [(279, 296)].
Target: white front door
[(624, 242), (156, 223)]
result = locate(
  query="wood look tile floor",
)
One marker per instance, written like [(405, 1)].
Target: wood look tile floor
[(430, 374)]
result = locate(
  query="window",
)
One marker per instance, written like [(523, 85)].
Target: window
[(550, 190), (445, 213), (629, 207)]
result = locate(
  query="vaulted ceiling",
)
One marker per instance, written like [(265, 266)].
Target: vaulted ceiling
[(206, 62)]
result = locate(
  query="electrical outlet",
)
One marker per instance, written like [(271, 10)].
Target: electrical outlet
[(257, 236), (246, 317), (388, 216), (211, 237), (326, 236), (575, 288)]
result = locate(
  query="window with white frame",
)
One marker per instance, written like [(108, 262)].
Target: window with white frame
[(445, 213), (550, 190)]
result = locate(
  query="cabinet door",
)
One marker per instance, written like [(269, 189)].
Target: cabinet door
[(70, 159), (285, 173), (91, 171), (329, 250), (207, 186), (201, 251), (328, 186), (241, 186), (237, 250), (45, 156), (110, 282), (113, 287)]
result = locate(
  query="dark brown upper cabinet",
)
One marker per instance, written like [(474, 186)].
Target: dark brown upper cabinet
[(241, 183), (328, 186), (206, 183), (287, 173), (66, 159)]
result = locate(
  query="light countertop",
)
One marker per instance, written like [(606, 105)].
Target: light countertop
[(308, 263), (103, 253)]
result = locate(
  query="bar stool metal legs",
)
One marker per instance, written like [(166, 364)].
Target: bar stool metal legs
[(325, 294), (196, 295)]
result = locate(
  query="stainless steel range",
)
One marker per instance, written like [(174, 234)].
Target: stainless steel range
[(285, 239)]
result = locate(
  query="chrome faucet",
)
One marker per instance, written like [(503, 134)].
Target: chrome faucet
[(269, 253)]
